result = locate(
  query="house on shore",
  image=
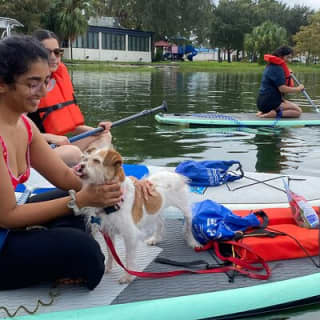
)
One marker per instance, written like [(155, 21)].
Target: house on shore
[(106, 40)]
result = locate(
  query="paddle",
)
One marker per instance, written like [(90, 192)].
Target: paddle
[(30, 186), (162, 107), (305, 92)]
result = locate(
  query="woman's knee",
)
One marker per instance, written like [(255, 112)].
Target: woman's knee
[(86, 257), (70, 154)]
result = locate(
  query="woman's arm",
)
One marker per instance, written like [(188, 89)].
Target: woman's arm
[(52, 167), (45, 160), (56, 139), (286, 89)]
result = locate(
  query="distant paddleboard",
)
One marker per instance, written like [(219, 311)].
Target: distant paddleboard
[(235, 120)]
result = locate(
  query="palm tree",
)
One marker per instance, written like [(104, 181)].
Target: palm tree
[(72, 19), (265, 39)]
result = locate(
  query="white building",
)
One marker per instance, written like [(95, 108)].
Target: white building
[(105, 40)]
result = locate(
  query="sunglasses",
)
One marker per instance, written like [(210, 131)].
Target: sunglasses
[(57, 52)]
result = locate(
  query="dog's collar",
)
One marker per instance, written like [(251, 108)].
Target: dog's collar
[(116, 207), (108, 210)]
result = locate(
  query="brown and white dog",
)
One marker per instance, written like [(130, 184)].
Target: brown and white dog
[(135, 217)]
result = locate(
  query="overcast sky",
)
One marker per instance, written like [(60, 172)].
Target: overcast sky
[(313, 4)]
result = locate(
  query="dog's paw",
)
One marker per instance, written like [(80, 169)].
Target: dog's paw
[(126, 278), (108, 269), (192, 242), (152, 241)]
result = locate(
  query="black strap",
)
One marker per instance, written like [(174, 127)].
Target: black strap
[(265, 218), (188, 264), (48, 110)]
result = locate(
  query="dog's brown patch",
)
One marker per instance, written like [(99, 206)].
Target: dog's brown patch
[(137, 206), (152, 205), (112, 158)]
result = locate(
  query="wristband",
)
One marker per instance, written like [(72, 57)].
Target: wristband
[(72, 204)]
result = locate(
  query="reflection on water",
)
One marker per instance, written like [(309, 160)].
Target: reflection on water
[(115, 95)]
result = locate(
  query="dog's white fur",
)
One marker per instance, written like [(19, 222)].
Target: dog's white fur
[(104, 165)]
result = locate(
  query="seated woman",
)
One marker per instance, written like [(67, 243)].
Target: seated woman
[(58, 112), (275, 83), (61, 249)]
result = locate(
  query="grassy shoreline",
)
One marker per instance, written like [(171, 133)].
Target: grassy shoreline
[(183, 66)]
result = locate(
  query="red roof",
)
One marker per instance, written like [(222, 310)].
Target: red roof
[(161, 43)]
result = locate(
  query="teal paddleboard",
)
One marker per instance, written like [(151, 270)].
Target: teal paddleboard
[(235, 120)]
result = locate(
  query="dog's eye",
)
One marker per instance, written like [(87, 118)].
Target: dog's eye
[(97, 161)]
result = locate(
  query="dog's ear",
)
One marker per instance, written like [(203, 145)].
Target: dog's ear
[(114, 159)]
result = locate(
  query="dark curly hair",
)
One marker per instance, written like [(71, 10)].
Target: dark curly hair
[(16, 55), (283, 51)]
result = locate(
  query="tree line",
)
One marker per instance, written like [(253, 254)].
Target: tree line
[(253, 26)]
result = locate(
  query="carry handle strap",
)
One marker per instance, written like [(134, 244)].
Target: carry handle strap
[(241, 266)]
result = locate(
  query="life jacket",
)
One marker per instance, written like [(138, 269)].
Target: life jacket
[(286, 239), (58, 110), (278, 61)]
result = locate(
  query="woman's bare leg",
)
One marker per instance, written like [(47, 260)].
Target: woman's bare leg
[(290, 109)]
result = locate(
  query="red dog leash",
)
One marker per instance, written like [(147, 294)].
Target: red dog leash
[(185, 271)]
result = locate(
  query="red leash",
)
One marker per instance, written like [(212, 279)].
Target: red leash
[(179, 272)]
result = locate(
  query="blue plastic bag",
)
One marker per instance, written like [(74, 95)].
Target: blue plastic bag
[(209, 173), (213, 221)]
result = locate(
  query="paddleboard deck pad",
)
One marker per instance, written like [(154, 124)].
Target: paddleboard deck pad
[(235, 120), (187, 297)]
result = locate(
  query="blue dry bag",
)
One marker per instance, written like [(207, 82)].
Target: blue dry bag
[(213, 221), (209, 173)]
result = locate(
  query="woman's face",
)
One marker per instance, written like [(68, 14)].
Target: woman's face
[(54, 53), (25, 94), (287, 58)]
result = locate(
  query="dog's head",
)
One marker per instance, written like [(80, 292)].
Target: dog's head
[(100, 166)]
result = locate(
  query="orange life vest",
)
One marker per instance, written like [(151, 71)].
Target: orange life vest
[(276, 60), (284, 246), (58, 110)]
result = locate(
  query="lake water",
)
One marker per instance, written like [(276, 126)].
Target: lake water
[(116, 95)]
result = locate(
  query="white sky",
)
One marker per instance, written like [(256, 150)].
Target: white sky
[(313, 4)]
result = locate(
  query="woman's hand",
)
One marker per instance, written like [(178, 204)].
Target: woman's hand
[(144, 186), (300, 87), (103, 195), (106, 125)]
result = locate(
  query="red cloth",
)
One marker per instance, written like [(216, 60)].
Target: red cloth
[(277, 60)]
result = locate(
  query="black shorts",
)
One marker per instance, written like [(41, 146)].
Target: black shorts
[(266, 103), (63, 249)]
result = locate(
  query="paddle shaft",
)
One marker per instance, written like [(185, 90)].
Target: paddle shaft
[(162, 107), (305, 93)]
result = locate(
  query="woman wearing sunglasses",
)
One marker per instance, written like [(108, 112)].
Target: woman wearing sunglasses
[(58, 112)]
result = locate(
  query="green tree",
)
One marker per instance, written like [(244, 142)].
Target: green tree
[(71, 18), (228, 26), (308, 38), (165, 18), (264, 39), (28, 12)]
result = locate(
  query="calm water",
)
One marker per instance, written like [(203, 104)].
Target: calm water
[(114, 96)]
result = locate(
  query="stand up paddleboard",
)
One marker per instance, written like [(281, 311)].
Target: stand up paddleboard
[(235, 120)]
